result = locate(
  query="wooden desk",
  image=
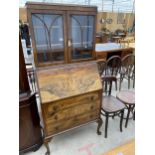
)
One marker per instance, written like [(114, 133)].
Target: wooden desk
[(71, 96), (125, 149), (104, 51)]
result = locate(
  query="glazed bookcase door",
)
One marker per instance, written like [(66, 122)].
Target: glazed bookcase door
[(48, 29), (81, 36)]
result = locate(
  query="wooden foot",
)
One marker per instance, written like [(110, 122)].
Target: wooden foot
[(47, 146), (100, 122)]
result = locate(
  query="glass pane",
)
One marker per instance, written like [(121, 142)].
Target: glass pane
[(82, 29), (48, 31)]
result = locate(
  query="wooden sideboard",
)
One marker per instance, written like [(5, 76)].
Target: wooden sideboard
[(30, 135), (105, 50), (71, 96)]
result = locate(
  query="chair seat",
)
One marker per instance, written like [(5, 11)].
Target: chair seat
[(111, 104), (126, 96)]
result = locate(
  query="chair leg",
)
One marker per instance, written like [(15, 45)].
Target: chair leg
[(121, 120), (106, 124), (134, 115), (133, 82), (113, 116), (129, 109), (128, 82), (120, 83), (116, 84)]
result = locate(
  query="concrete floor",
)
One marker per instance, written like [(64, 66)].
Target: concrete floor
[(85, 141)]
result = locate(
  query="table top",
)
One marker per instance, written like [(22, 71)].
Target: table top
[(63, 81), (125, 149), (110, 46)]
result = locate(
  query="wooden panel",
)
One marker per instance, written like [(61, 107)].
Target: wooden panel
[(30, 136), (54, 128), (126, 149), (52, 6), (68, 113), (75, 101), (67, 81)]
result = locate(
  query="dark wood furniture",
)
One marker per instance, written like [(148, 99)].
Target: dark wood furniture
[(112, 69), (110, 105), (62, 33), (128, 98), (30, 135), (128, 69), (101, 66), (125, 149), (106, 50), (71, 96)]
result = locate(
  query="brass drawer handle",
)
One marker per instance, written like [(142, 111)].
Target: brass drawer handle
[(55, 117), (92, 107), (92, 98), (91, 116), (55, 108)]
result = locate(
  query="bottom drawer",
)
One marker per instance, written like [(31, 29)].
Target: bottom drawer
[(54, 128)]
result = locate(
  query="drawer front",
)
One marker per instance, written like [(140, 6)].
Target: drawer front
[(66, 103), (80, 109), (54, 128)]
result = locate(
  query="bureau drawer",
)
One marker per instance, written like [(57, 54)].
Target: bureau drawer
[(54, 128), (65, 114), (54, 107)]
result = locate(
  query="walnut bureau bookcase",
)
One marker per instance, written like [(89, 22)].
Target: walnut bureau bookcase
[(70, 89)]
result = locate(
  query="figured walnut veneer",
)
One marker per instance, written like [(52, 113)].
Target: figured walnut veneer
[(65, 81)]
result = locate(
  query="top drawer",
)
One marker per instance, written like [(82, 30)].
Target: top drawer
[(57, 106)]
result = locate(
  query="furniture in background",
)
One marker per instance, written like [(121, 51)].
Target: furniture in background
[(125, 149), (111, 106), (128, 69), (128, 98), (30, 135), (32, 78), (106, 50), (101, 66), (71, 96), (62, 33), (112, 69)]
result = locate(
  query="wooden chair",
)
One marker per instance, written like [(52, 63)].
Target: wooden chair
[(127, 69), (31, 78), (113, 66), (110, 105), (128, 98), (101, 66)]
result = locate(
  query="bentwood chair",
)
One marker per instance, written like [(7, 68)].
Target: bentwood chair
[(110, 105), (112, 69), (128, 69), (101, 66), (128, 98)]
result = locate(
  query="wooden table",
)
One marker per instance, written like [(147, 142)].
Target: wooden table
[(125, 149), (105, 50)]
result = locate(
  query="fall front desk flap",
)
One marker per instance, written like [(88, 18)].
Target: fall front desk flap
[(68, 80)]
